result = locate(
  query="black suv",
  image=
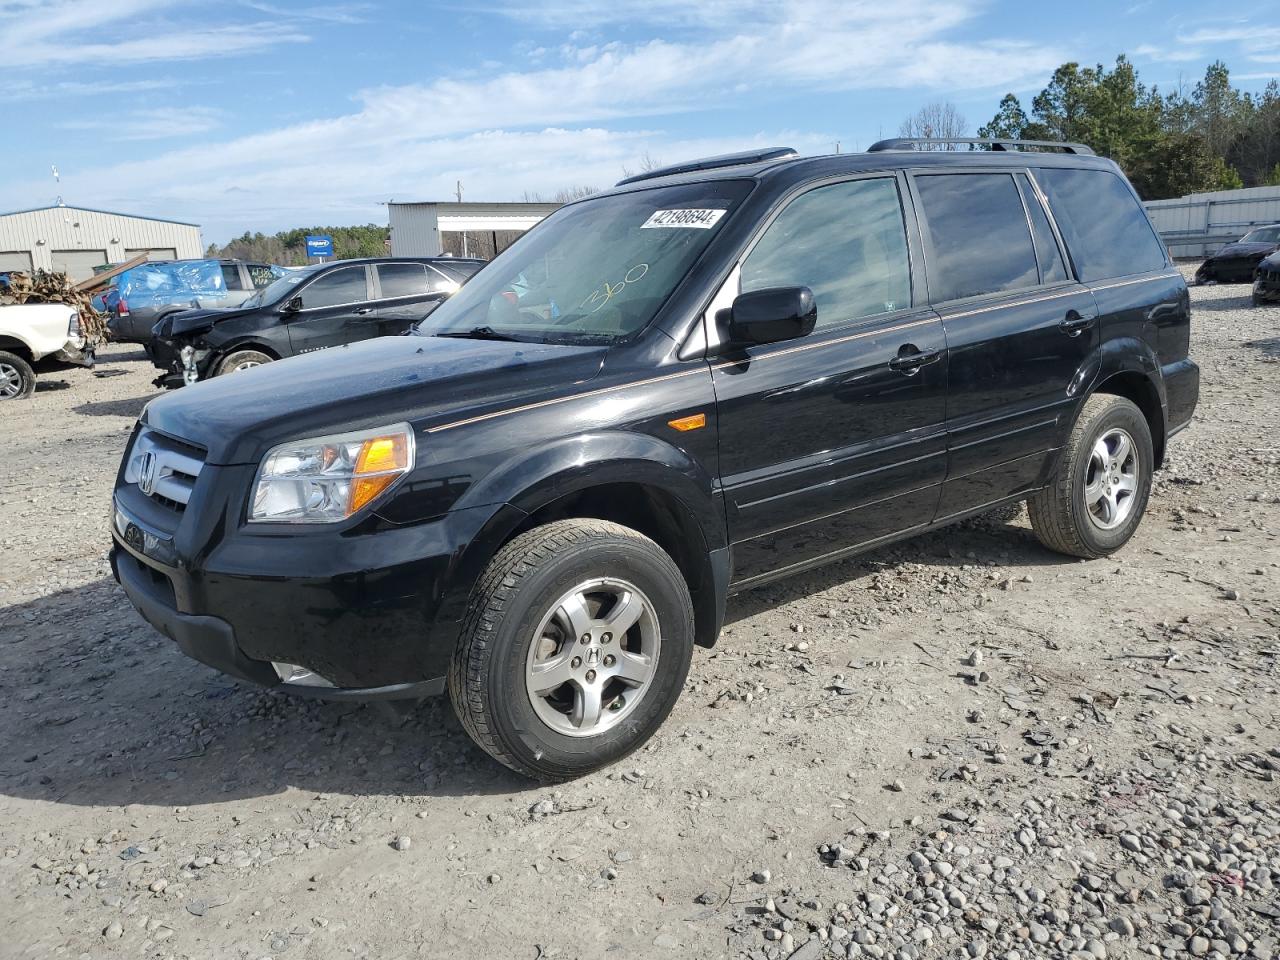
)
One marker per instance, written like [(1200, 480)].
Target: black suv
[(306, 309), (711, 376)]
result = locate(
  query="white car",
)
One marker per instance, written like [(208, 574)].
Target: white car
[(38, 337)]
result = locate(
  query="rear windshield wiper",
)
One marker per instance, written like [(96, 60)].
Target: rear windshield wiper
[(478, 333)]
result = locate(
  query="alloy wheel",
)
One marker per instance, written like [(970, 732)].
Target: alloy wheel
[(10, 382), (1111, 481), (593, 657)]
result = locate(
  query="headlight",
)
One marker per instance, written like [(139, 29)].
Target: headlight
[(330, 478)]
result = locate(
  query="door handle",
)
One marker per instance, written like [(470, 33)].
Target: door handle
[(362, 311), (1076, 323), (910, 359)]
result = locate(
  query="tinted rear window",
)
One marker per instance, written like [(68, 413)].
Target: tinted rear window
[(979, 235), (402, 279), (1105, 228)]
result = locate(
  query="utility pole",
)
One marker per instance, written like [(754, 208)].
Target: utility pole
[(458, 192)]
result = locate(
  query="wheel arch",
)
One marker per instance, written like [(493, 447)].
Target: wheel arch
[(631, 479), (221, 353), (1138, 388), (11, 344)]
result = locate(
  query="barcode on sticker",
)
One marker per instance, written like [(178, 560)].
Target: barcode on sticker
[(689, 219)]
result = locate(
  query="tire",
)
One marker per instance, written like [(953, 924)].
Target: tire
[(517, 623), (1085, 513), (241, 360), (17, 379)]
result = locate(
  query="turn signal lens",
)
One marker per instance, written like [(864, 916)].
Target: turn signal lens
[(330, 478), (693, 422)]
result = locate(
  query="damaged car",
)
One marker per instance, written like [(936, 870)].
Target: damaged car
[(1237, 262), (305, 310), (38, 338), (1266, 282)]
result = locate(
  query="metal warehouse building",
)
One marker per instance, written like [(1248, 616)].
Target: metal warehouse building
[(1197, 225), (462, 229), (76, 239)]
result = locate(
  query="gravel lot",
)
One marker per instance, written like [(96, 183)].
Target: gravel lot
[(960, 746)]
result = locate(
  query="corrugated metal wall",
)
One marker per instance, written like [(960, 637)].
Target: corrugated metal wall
[(1197, 225), (417, 228), (70, 236)]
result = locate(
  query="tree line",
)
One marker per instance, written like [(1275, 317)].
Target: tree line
[(1209, 136), (288, 248)]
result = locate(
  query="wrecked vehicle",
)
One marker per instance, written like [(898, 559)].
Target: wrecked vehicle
[(146, 294), (1237, 262), (38, 338), (708, 378), (1266, 282), (305, 310)]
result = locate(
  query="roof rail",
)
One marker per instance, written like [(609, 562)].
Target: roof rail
[(911, 143), (713, 163)]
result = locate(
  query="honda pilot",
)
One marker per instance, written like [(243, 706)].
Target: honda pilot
[(710, 377)]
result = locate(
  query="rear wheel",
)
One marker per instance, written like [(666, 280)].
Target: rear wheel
[(1100, 491), (17, 379), (242, 360), (575, 648)]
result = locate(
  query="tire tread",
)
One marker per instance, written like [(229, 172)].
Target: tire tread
[(495, 589), (1052, 509)]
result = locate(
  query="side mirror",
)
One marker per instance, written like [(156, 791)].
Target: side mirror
[(292, 305), (771, 316)]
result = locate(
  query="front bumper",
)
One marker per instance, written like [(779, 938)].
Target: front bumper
[(358, 607), (1228, 270), (1267, 288), (177, 370)]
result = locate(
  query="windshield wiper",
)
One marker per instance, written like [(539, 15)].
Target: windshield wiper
[(478, 333)]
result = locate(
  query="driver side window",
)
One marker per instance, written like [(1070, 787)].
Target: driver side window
[(846, 242), (347, 285)]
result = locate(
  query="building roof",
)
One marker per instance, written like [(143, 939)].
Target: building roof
[(110, 213)]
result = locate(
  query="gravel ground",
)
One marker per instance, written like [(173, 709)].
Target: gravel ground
[(962, 746)]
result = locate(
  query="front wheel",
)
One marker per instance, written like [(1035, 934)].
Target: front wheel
[(1099, 493), (242, 360), (17, 379), (575, 647)]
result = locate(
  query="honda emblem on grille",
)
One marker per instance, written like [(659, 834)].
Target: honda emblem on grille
[(147, 472)]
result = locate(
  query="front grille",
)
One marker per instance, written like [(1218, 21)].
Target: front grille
[(164, 469)]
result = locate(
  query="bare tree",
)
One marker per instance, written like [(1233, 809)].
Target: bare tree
[(648, 164), (937, 120), (563, 195)]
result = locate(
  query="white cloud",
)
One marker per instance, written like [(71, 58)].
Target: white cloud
[(509, 133), (160, 123), (76, 32)]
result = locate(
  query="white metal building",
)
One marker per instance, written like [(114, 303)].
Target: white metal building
[(77, 239), (417, 228), (1197, 225)]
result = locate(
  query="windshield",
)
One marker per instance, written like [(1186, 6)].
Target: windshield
[(598, 270), (1265, 235), (279, 289)]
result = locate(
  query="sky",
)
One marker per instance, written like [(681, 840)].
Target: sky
[(268, 114)]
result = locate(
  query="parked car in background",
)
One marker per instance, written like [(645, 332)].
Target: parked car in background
[(38, 338), (1237, 262), (710, 377), (1266, 282), (152, 291), (325, 305)]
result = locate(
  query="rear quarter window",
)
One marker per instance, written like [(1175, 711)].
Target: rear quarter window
[(1104, 226)]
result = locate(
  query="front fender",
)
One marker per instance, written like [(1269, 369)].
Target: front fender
[(531, 479)]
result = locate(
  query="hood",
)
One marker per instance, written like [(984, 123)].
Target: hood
[(188, 322), (1232, 250), (425, 380)]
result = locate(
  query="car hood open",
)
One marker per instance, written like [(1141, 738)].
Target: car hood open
[(424, 380)]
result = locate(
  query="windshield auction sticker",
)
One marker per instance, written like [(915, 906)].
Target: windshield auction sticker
[(688, 219)]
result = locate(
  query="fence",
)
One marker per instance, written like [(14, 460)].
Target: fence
[(1197, 225)]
